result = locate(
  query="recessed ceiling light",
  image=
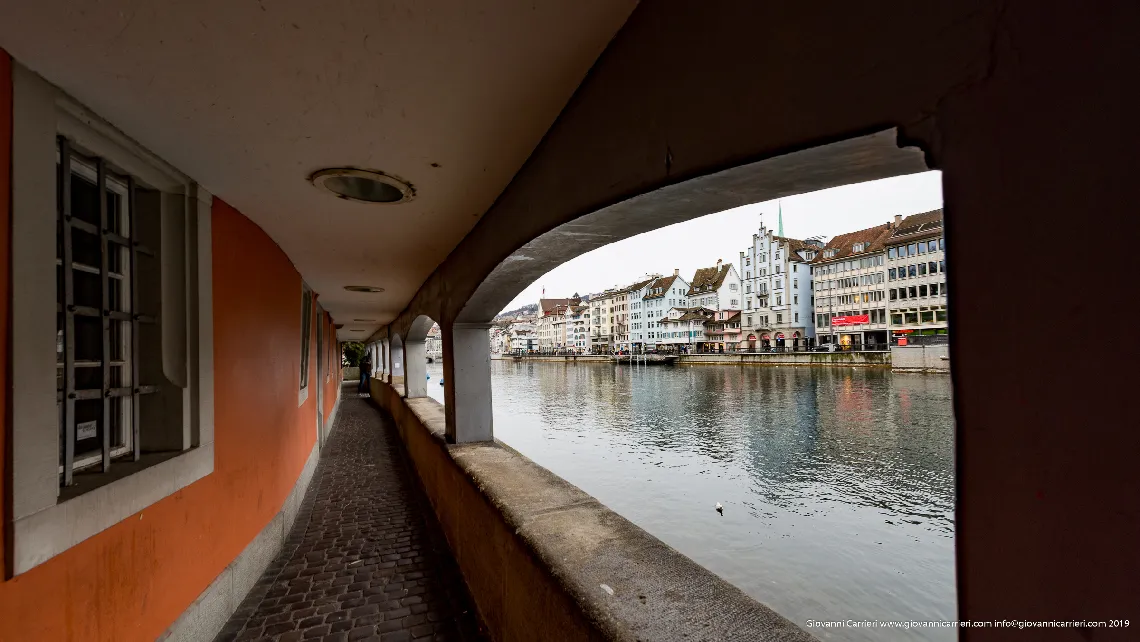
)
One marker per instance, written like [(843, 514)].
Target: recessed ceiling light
[(363, 186), (363, 288), (365, 320)]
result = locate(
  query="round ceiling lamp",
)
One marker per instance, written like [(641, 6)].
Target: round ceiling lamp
[(363, 288), (363, 186)]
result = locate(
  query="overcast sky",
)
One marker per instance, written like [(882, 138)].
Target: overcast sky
[(690, 245)]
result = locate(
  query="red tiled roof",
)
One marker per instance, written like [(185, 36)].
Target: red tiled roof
[(795, 245), (872, 239), (635, 286), (546, 306), (664, 283), (917, 226), (710, 278)]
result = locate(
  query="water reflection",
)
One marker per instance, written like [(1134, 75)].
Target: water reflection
[(837, 484)]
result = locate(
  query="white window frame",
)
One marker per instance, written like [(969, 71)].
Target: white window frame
[(308, 305), (43, 525)]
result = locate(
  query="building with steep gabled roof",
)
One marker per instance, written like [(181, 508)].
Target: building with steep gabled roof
[(717, 287), (777, 295), (650, 303)]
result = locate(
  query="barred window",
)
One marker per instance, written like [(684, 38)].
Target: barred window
[(306, 332), (106, 296)]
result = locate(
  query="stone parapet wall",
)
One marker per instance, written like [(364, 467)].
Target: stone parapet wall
[(844, 359), (544, 560), (935, 359)]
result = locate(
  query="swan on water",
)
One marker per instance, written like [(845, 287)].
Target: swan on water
[(719, 508)]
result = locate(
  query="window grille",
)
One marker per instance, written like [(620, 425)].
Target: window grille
[(98, 314)]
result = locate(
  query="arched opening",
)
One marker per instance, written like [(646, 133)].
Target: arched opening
[(560, 408)]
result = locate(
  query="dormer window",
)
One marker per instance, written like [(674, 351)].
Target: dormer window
[(858, 247)]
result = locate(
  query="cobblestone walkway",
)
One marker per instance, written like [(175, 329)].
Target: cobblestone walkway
[(365, 559)]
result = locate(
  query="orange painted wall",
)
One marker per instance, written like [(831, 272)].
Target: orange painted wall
[(133, 580), (5, 297)]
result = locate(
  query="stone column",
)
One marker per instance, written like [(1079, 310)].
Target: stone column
[(467, 382), (386, 371), (395, 361), (415, 369)]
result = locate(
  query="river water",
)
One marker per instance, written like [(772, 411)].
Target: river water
[(837, 483)]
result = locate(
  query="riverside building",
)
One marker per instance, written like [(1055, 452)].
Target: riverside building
[(916, 278), (849, 289), (777, 292)]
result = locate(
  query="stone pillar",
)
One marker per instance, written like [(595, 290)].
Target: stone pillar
[(395, 361), (415, 369), (467, 382), (386, 368)]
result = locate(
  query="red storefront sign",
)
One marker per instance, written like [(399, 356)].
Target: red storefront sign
[(854, 319)]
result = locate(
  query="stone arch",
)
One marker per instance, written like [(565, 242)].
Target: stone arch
[(415, 357), (864, 158)]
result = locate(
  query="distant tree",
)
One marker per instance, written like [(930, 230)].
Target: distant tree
[(353, 353)]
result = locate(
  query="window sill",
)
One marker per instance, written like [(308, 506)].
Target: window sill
[(77, 517)]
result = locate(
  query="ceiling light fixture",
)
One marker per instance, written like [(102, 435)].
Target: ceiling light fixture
[(363, 185), (363, 288), (365, 320)]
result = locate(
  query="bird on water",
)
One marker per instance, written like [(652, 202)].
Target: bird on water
[(719, 508)]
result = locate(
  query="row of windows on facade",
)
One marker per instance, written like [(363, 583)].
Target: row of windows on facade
[(916, 270), (762, 272), (762, 258), (851, 282), (763, 303), (915, 249), (845, 299), (763, 319), (848, 266), (918, 291), (898, 318)]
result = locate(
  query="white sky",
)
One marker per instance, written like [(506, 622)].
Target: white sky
[(700, 242)]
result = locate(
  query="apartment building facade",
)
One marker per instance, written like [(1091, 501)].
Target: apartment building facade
[(716, 288), (602, 319), (577, 325), (916, 277), (683, 329), (657, 299), (552, 323), (777, 291), (849, 288)]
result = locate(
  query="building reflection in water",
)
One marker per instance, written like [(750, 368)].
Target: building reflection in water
[(838, 483)]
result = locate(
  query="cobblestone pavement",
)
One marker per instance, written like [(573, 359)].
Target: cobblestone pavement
[(365, 559)]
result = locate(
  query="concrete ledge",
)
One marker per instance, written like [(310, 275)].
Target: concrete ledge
[(934, 359), (206, 616), (586, 358), (545, 561), (844, 359)]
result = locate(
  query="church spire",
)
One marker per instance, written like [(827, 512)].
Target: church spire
[(781, 232)]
